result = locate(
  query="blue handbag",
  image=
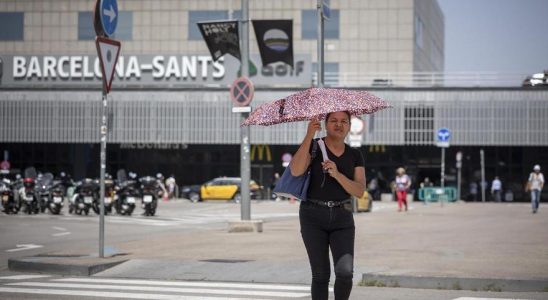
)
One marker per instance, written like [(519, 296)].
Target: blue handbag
[(290, 186)]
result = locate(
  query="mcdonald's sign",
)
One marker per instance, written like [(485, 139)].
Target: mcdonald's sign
[(377, 148), (262, 150)]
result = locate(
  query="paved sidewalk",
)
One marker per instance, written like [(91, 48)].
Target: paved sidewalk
[(494, 246)]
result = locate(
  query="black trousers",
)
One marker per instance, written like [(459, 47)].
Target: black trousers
[(323, 228)]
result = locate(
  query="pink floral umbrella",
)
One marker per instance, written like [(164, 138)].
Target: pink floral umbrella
[(315, 103)]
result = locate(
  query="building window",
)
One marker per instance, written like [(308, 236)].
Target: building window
[(419, 28), (309, 29), (124, 29), (196, 16), (330, 73), (12, 24), (85, 26), (419, 125)]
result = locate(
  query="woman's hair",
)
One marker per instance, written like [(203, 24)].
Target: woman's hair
[(344, 111)]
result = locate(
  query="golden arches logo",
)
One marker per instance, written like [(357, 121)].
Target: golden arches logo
[(377, 148), (262, 149)]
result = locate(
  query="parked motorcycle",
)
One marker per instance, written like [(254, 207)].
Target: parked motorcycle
[(44, 183), (128, 193), (151, 192), (27, 195), (85, 194), (9, 203), (110, 196), (56, 198)]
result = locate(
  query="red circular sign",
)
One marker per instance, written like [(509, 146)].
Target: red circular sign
[(241, 91), (5, 165)]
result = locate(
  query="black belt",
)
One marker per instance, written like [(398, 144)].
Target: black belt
[(328, 203)]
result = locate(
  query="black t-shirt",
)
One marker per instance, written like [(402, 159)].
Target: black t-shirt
[(332, 190)]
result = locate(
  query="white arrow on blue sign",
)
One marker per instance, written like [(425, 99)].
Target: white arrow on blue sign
[(444, 134), (109, 16)]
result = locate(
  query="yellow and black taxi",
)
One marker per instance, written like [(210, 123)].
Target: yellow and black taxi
[(221, 188)]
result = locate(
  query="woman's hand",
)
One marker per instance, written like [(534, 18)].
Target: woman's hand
[(331, 168), (313, 126)]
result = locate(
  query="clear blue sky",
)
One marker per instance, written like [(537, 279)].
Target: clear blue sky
[(507, 36)]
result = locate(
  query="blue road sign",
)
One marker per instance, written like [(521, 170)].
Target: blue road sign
[(444, 134), (108, 11)]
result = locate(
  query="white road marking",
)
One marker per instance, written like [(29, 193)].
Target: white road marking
[(23, 277), (188, 283), (21, 247), (160, 289), (61, 233), (474, 298), (108, 294)]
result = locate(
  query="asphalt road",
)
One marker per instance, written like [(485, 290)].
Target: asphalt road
[(49, 233)]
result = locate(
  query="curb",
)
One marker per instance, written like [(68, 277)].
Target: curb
[(73, 265), (455, 283)]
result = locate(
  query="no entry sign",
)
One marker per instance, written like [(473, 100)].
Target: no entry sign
[(241, 91)]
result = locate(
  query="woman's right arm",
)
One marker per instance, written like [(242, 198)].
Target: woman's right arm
[(301, 159)]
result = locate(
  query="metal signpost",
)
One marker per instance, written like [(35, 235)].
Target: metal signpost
[(245, 164), (443, 136), (483, 183), (323, 12), (459, 167), (105, 22)]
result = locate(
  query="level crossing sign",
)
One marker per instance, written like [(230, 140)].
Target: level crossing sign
[(106, 17)]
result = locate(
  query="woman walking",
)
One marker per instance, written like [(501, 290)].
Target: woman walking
[(326, 215), (403, 183)]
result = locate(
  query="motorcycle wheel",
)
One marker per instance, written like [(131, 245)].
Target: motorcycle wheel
[(86, 211), (71, 209), (130, 210), (55, 211)]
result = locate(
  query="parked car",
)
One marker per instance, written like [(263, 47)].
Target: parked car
[(538, 79), (221, 188)]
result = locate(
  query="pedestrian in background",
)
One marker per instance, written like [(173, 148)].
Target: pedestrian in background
[(473, 191), (326, 215), (535, 185), (426, 183), (403, 183), (496, 189)]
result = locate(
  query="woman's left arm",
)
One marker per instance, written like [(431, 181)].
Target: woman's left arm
[(354, 187)]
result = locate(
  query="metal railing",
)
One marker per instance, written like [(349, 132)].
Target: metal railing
[(422, 79)]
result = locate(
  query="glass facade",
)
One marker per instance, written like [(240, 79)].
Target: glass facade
[(309, 29), (124, 29), (11, 24)]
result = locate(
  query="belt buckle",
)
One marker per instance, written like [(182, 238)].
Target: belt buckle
[(330, 204)]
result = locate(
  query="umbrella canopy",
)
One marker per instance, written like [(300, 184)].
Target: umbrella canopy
[(315, 103)]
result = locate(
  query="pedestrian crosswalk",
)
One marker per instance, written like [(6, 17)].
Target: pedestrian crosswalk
[(188, 219), (146, 289)]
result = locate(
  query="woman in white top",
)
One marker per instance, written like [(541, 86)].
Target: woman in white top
[(403, 183), (535, 185)]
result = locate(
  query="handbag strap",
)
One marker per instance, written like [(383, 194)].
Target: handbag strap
[(314, 148)]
